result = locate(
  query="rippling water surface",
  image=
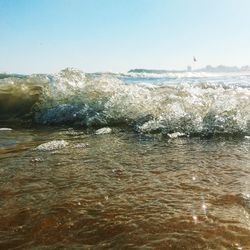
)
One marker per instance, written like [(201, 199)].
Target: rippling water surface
[(123, 190)]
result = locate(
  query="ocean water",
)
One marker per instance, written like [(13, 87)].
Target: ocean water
[(125, 161)]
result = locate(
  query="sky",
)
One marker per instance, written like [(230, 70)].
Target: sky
[(45, 36)]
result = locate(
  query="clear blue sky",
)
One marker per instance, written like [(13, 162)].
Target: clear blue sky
[(117, 35)]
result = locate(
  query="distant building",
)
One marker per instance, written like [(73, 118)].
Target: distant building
[(189, 68)]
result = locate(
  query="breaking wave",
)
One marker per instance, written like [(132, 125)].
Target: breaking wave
[(98, 100)]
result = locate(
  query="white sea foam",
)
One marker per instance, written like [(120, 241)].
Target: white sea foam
[(5, 129), (52, 145), (176, 135), (187, 74), (185, 108), (192, 107), (81, 145), (103, 131)]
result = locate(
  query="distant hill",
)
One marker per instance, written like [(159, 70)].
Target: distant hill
[(152, 71)]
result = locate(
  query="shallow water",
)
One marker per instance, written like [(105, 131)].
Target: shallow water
[(123, 190)]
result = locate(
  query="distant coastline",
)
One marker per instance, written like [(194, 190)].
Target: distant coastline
[(208, 68)]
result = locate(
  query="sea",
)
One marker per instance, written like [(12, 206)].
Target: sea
[(125, 160)]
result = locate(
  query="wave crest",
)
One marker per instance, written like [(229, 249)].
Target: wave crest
[(74, 97)]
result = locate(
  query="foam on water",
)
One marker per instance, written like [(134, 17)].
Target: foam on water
[(73, 97), (52, 145), (187, 74), (103, 131), (5, 129)]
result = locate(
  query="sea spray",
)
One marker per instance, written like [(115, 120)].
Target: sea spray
[(72, 97)]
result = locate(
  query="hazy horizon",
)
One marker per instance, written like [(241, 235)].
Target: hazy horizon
[(215, 68), (116, 36)]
